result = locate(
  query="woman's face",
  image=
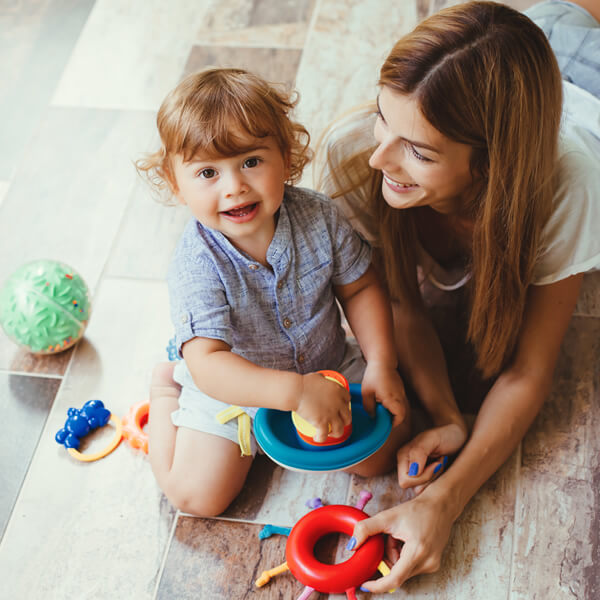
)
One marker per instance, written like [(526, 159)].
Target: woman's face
[(421, 166)]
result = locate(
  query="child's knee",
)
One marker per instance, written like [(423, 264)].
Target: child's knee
[(201, 503)]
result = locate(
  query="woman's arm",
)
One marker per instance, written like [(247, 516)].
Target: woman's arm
[(424, 523)]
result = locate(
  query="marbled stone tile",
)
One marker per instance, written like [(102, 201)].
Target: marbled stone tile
[(221, 560), (556, 538), (36, 41), (286, 35), (73, 212), (25, 403), (105, 525), (588, 303), (564, 437), (476, 562), (344, 50), (278, 65), (278, 496), (261, 23)]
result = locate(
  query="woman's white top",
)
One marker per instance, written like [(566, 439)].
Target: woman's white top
[(571, 238)]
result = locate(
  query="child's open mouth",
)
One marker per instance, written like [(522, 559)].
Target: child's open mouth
[(242, 213)]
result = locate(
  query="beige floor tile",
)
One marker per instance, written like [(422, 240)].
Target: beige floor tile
[(104, 523), (72, 213)]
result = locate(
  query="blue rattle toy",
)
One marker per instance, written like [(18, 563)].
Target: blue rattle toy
[(82, 421)]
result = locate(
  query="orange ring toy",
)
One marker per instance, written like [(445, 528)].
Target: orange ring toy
[(133, 424), (331, 579)]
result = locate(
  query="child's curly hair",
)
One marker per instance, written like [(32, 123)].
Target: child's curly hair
[(205, 114)]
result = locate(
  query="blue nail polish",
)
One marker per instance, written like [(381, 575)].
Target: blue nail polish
[(351, 544), (445, 461), (437, 468), (414, 469), (364, 589)]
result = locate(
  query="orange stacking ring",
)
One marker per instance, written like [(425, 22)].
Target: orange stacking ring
[(133, 425)]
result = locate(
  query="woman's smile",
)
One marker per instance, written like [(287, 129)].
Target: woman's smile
[(399, 187)]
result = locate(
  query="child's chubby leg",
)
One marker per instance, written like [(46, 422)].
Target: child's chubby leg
[(199, 472), (384, 460)]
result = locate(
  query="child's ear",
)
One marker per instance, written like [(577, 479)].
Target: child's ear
[(172, 182)]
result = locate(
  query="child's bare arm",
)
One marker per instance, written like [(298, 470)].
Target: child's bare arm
[(231, 378), (369, 314)]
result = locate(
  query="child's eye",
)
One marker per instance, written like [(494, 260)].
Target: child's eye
[(251, 162), (206, 173)]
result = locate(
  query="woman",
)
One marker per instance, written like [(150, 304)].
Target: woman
[(474, 183)]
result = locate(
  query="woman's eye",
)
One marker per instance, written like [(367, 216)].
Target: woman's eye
[(417, 155), (206, 173), (249, 163)]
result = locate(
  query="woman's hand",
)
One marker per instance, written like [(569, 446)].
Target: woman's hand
[(418, 532), (382, 383), (425, 456)]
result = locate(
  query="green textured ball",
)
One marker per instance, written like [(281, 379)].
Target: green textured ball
[(45, 306)]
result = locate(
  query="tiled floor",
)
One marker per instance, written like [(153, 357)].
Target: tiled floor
[(81, 80)]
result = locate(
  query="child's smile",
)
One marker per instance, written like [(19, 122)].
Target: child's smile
[(237, 195)]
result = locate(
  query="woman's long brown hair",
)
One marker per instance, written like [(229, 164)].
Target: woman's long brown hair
[(484, 75)]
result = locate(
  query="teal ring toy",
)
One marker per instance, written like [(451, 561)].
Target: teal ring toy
[(276, 435)]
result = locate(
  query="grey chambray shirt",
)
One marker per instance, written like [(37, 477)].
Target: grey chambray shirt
[(286, 318)]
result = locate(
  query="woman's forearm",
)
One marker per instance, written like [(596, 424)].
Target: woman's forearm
[(505, 416)]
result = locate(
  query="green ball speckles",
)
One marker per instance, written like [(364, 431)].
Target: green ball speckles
[(45, 306)]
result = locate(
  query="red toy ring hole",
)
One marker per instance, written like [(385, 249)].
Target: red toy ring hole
[(332, 579)]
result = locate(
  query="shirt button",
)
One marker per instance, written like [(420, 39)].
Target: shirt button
[(184, 318), (301, 358), (287, 323), (253, 267), (279, 285)]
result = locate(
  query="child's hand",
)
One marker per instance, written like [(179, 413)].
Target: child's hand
[(425, 457), (382, 383), (324, 403)]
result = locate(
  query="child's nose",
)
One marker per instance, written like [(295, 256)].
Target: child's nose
[(235, 185)]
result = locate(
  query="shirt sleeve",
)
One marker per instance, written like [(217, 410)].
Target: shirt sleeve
[(351, 252), (199, 306), (570, 240)]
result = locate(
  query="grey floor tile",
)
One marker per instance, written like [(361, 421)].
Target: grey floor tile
[(37, 37), (24, 403)]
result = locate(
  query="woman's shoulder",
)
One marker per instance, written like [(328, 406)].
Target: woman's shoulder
[(570, 241)]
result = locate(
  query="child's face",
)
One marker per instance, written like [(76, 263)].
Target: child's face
[(237, 195)]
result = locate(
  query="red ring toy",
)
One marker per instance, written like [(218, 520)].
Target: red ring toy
[(331, 579), (133, 425)]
